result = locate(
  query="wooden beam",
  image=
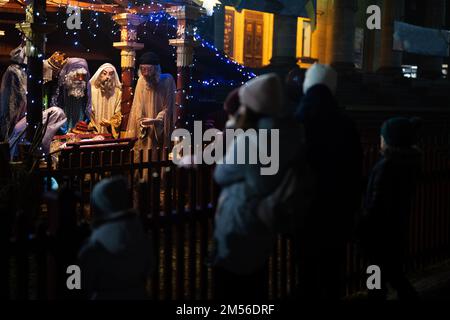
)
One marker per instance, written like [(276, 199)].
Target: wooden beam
[(107, 8), (54, 5)]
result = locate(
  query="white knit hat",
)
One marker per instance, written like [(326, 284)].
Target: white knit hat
[(320, 74), (263, 94)]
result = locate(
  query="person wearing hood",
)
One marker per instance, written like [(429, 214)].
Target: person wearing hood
[(13, 88), (384, 226), (55, 119), (51, 68), (240, 269), (106, 92), (334, 153), (153, 110), (117, 259), (73, 94)]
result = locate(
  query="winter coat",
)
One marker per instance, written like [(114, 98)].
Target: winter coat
[(384, 226), (243, 186), (116, 260), (335, 155)]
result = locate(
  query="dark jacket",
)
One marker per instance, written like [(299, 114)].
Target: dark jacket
[(387, 207), (116, 261), (335, 155)]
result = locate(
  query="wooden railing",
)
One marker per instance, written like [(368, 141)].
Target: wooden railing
[(177, 206)]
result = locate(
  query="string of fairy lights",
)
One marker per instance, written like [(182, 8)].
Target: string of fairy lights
[(151, 21), (155, 20)]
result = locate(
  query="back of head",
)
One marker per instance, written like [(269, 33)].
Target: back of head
[(263, 95), (232, 102), (399, 132), (110, 199), (320, 74)]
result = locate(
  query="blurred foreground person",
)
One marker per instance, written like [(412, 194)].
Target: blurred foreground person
[(243, 242), (116, 260), (334, 154), (384, 227)]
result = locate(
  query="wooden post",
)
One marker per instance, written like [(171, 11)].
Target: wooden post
[(128, 45), (34, 28)]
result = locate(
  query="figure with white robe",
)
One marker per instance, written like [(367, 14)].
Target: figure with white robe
[(13, 92), (106, 95), (152, 113)]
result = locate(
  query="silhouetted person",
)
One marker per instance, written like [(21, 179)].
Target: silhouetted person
[(240, 264), (294, 87), (116, 260), (66, 241), (384, 226), (334, 154)]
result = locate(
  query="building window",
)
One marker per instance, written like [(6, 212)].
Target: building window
[(306, 39), (228, 37), (253, 39), (409, 71)]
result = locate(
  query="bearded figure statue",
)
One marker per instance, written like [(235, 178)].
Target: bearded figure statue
[(152, 115), (73, 94), (106, 92)]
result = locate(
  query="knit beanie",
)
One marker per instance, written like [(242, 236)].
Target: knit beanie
[(320, 74), (263, 95), (110, 199)]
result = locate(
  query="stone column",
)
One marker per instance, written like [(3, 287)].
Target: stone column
[(34, 28), (284, 49), (184, 42), (128, 45), (431, 67), (390, 60), (343, 34), (319, 36), (219, 26)]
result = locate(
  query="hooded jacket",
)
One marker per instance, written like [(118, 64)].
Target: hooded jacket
[(387, 206), (116, 260), (335, 155)]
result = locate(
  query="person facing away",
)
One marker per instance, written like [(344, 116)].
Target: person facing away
[(152, 113), (117, 258), (384, 227), (334, 154), (240, 268)]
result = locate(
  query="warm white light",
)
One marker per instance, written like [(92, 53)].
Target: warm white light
[(209, 6)]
